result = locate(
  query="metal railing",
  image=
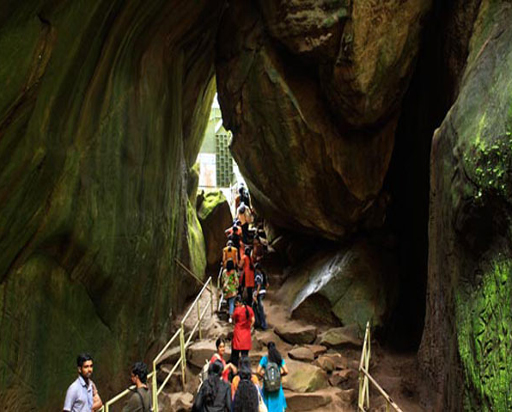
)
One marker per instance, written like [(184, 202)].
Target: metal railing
[(184, 344), (363, 402)]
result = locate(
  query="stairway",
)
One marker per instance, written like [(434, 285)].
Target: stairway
[(320, 378)]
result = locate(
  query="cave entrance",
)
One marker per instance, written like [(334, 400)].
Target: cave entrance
[(217, 169)]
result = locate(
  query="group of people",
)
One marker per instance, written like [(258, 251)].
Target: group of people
[(82, 395), (241, 273), (243, 393), (230, 386)]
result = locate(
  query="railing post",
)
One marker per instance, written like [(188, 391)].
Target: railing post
[(199, 319), (360, 400), (183, 355), (155, 389), (367, 364), (211, 300)]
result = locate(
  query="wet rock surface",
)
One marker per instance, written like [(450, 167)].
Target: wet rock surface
[(348, 286)]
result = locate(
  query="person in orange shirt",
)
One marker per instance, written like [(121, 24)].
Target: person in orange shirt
[(244, 372), (247, 280), (229, 252)]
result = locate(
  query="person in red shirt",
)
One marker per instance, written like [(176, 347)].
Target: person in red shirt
[(243, 318), (247, 280), (219, 355)]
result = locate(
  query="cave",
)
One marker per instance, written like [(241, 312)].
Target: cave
[(374, 137)]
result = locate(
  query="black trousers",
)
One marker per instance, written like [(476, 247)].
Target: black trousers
[(235, 355)]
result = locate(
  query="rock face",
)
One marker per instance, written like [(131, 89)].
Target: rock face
[(466, 342), (102, 110), (215, 217), (329, 123), (349, 286)]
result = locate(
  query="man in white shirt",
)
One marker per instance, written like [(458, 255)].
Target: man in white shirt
[(82, 395)]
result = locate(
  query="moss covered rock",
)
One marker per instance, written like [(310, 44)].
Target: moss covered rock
[(101, 115), (215, 216), (466, 342)]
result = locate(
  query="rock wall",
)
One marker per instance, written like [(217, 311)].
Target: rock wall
[(466, 341), (312, 91), (102, 109)]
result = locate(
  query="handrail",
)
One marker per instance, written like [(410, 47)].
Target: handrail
[(389, 401), (195, 300), (365, 378), (188, 271), (155, 390), (119, 396)]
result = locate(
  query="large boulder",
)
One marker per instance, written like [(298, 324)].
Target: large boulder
[(302, 353), (215, 216), (320, 84), (306, 401), (349, 286), (343, 336), (294, 333), (102, 110), (466, 342), (304, 377)]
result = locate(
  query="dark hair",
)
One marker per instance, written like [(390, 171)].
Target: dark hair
[(242, 208), (83, 357), (246, 397), (230, 265), (219, 341), (140, 369), (240, 300), (244, 368), (211, 385), (273, 354)]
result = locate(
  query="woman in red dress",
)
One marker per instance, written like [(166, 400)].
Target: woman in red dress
[(243, 318)]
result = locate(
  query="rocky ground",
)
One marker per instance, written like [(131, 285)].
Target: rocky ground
[(323, 364)]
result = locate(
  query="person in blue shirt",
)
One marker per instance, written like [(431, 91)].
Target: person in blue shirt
[(82, 395), (275, 401)]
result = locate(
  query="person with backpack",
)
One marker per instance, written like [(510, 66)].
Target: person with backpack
[(214, 394), (140, 400), (243, 318), (272, 367)]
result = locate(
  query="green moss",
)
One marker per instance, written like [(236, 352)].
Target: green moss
[(197, 249), (193, 183), (211, 200), (484, 322)]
